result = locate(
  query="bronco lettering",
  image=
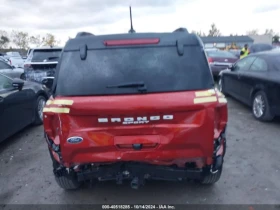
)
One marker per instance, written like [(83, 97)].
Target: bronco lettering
[(139, 120)]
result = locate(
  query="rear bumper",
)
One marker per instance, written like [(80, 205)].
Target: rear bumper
[(164, 155), (129, 170)]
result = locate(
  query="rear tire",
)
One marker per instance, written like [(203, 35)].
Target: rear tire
[(262, 114), (40, 103), (210, 178), (68, 182)]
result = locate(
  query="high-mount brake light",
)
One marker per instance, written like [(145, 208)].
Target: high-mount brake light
[(131, 42)]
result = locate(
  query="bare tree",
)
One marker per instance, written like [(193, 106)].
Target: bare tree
[(4, 39), (275, 36), (269, 32), (253, 32), (50, 40), (36, 40), (214, 31), (20, 39), (199, 33)]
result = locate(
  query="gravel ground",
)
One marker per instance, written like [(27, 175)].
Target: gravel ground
[(251, 172)]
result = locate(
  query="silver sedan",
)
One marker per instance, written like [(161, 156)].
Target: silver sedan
[(11, 71)]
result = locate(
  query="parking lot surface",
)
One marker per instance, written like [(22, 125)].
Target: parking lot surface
[(251, 171)]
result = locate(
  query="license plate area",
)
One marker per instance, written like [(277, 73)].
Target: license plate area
[(140, 142)]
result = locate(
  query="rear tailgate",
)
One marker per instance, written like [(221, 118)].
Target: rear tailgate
[(36, 71), (42, 63), (173, 128)]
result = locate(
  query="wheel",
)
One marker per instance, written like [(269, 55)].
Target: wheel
[(69, 182), (260, 107), (212, 178), (40, 104)]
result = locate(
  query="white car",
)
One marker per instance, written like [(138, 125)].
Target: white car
[(41, 63), (15, 59), (10, 71)]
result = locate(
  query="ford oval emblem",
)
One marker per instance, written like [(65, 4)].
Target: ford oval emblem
[(75, 140)]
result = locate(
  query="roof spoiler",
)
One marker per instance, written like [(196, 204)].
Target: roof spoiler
[(181, 30), (81, 34)]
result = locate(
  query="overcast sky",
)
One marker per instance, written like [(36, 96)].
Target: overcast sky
[(65, 18)]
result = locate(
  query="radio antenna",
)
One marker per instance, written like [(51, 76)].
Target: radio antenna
[(131, 25)]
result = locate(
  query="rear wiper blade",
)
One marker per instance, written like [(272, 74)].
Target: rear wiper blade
[(140, 85), (127, 85)]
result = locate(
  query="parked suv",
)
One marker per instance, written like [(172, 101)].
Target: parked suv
[(41, 63), (135, 106)]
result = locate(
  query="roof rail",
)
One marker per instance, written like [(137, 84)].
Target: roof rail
[(80, 34), (181, 30)]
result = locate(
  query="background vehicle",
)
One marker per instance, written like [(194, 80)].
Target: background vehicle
[(212, 49), (15, 59), (235, 52), (41, 63), (11, 71), (136, 105), (2, 58), (255, 81), (220, 60), (28, 52), (255, 48), (21, 104)]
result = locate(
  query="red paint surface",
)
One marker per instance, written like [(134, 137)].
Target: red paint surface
[(188, 137)]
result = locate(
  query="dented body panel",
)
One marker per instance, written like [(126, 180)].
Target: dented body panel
[(172, 128)]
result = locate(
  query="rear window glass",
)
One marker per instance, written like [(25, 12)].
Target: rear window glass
[(160, 68), (49, 55), (220, 54)]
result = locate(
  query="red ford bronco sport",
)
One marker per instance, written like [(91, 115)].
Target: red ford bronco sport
[(135, 106)]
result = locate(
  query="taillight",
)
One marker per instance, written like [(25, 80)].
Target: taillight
[(131, 42), (210, 60)]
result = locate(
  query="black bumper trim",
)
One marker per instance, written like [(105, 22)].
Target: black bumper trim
[(122, 171)]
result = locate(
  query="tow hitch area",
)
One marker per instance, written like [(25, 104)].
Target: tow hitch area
[(136, 172)]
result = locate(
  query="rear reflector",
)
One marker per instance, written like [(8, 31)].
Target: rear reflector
[(131, 42)]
